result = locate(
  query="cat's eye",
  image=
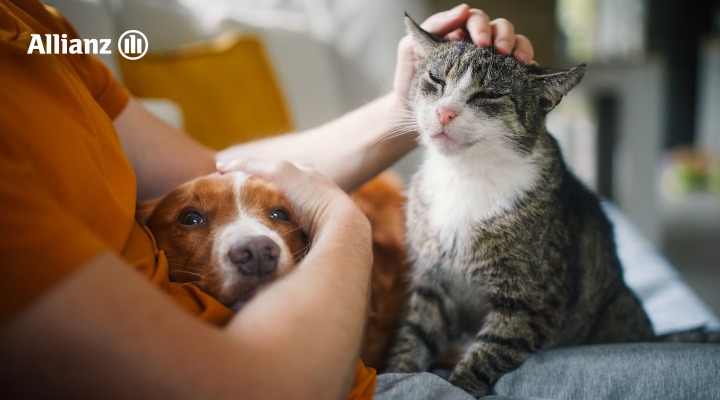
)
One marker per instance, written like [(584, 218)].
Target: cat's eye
[(191, 217), (435, 79), (280, 214), (485, 95)]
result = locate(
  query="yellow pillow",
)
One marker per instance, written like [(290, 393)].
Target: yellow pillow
[(226, 89)]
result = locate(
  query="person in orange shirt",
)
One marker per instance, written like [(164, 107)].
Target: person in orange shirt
[(77, 153)]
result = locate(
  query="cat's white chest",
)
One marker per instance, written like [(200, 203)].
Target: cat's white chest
[(462, 194)]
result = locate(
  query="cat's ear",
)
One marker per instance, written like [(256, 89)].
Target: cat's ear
[(423, 41), (556, 83)]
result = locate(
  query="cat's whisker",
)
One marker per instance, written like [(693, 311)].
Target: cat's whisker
[(399, 121), (408, 102), (506, 144), (403, 114), (400, 127), (516, 145), (397, 127), (509, 143), (397, 132), (392, 136)]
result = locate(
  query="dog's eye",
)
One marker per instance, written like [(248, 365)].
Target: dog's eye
[(280, 214), (191, 218)]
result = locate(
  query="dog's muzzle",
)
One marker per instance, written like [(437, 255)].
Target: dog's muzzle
[(255, 255)]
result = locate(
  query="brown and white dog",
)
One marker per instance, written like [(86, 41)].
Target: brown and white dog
[(233, 234), (228, 234)]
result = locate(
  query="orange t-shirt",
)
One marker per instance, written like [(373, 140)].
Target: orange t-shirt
[(67, 190)]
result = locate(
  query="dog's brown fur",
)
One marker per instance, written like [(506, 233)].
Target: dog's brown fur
[(382, 202)]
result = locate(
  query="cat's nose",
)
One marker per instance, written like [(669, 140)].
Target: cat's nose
[(445, 115)]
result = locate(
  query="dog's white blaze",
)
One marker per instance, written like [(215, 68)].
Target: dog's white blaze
[(246, 224)]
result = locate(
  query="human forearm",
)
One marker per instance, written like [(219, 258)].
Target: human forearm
[(349, 150), (297, 338), (87, 338), (162, 156), (324, 306)]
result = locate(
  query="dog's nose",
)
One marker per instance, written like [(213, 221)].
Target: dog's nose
[(255, 255)]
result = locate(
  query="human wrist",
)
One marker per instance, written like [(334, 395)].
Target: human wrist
[(344, 221), (345, 226)]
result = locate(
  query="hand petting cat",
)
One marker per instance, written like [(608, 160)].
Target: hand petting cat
[(463, 23)]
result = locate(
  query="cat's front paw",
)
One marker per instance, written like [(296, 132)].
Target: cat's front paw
[(402, 363), (467, 380)]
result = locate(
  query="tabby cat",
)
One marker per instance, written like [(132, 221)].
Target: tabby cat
[(506, 244)]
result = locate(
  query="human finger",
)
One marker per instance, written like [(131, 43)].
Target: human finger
[(503, 34), (278, 171), (312, 195), (478, 26), (445, 22), (523, 50), (306, 167), (457, 35), (253, 166)]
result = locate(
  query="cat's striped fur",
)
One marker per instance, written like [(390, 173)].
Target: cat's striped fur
[(506, 244)]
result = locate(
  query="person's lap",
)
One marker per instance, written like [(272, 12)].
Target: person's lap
[(622, 371)]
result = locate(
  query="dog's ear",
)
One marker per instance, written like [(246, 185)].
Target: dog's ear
[(144, 209)]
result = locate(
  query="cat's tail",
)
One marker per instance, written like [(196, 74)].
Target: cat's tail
[(696, 335)]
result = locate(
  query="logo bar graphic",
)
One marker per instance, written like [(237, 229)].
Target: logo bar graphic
[(133, 44)]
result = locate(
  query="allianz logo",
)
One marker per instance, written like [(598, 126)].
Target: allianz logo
[(132, 45)]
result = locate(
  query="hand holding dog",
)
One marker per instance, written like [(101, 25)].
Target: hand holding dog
[(321, 205), (327, 295)]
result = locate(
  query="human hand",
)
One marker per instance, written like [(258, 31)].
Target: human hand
[(463, 23), (321, 206)]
